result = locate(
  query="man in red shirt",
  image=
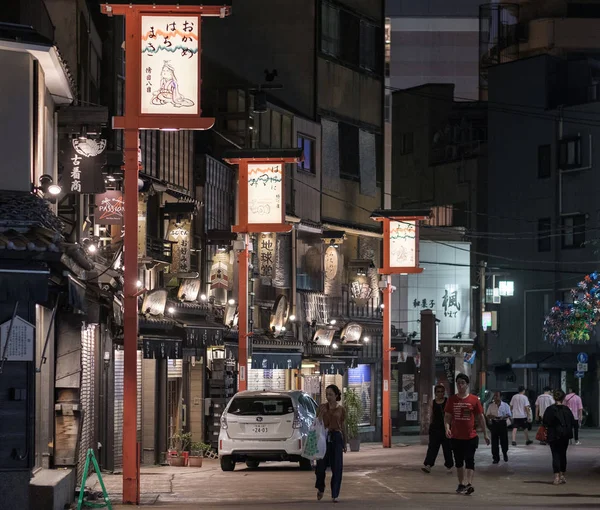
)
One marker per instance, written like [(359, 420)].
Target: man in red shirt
[(459, 419)]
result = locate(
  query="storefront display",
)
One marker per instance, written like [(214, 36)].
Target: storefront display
[(359, 380)]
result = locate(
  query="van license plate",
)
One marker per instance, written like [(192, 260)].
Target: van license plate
[(260, 430)]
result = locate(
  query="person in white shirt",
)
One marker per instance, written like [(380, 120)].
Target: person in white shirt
[(542, 403), (497, 413), (521, 411)]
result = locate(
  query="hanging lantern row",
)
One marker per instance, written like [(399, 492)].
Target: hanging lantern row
[(571, 323)]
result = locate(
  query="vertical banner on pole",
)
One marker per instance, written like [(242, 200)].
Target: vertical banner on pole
[(400, 256)]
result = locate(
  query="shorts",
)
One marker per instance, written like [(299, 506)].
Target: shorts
[(521, 424), (464, 452)]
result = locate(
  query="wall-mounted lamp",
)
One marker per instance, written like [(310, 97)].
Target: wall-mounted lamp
[(47, 186), (203, 297), (89, 245), (231, 301), (292, 318)]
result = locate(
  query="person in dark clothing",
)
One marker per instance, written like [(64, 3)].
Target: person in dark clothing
[(497, 414), (558, 420), (437, 433)]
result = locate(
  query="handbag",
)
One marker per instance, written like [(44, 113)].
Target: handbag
[(315, 446), (542, 434)]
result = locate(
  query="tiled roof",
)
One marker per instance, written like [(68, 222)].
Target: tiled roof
[(19, 208)]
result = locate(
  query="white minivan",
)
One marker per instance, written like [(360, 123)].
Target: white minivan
[(259, 426)]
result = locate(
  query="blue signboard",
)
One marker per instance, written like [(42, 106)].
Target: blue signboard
[(582, 357), (579, 374)]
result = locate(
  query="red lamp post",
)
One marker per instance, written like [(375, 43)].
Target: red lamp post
[(400, 256), (160, 93), (261, 208)]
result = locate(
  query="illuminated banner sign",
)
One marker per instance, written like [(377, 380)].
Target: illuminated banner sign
[(110, 208), (170, 65), (403, 244), (179, 233), (265, 192), (81, 165)]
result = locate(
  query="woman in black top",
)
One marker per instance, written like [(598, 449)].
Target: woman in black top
[(558, 420), (437, 433)]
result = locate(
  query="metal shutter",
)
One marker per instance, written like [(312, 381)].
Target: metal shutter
[(118, 410), (88, 360)]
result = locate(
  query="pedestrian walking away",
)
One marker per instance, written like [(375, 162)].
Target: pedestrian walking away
[(333, 415), (460, 414), (574, 403), (522, 416), (558, 420), (498, 413), (437, 433), (542, 403)]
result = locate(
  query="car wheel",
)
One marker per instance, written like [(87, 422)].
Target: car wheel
[(305, 465), (227, 463), (252, 464)]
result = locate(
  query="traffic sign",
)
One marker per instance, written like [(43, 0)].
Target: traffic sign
[(582, 357), (579, 375), (582, 367)]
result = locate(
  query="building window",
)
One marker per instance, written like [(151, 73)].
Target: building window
[(569, 154), (330, 30), (544, 233), (544, 161), (368, 46), (308, 149), (573, 231), (406, 143), (349, 155)]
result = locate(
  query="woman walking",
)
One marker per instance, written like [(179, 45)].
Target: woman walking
[(558, 420), (333, 415), (437, 433)]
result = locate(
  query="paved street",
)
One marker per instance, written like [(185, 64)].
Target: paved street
[(377, 478)]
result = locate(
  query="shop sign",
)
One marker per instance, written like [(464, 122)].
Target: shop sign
[(279, 316), (110, 208), (81, 164), (403, 237), (324, 337), (266, 257), (265, 193), (155, 302), (352, 333), (170, 65), (20, 345), (189, 289), (179, 233), (445, 289), (333, 284), (219, 271)]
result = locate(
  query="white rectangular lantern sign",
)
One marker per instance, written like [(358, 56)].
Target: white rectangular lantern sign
[(265, 193), (170, 65), (403, 249)]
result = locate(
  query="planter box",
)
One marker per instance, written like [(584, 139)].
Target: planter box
[(177, 461), (195, 462)]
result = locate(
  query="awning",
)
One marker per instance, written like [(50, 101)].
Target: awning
[(156, 347), (17, 284), (332, 367), (532, 360), (262, 359), (560, 361)]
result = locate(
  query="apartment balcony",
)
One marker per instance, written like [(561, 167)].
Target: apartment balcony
[(346, 307)]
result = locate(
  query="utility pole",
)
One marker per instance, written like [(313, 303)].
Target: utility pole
[(482, 333)]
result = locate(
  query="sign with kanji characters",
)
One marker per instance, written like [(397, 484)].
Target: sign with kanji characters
[(444, 287), (22, 335), (81, 165), (110, 208), (265, 193), (266, 257), (403, 238), (170, 79), (179, 233)]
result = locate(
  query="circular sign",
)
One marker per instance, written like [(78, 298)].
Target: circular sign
[(582, 357)]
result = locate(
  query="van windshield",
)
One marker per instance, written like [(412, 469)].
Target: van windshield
[(263, 406)]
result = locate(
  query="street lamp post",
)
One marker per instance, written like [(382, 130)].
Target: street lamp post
[(148, 105), (400, 256)]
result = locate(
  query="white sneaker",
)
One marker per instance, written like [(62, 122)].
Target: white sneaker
[(577, 443)]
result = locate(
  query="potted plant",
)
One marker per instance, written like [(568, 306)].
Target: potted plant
[(354, 412), (197, 450), (180, 443)]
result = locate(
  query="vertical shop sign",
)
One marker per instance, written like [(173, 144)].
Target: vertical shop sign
[(81, 164), (110, 208), (266, 257), (179, 234), (265, 193)]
